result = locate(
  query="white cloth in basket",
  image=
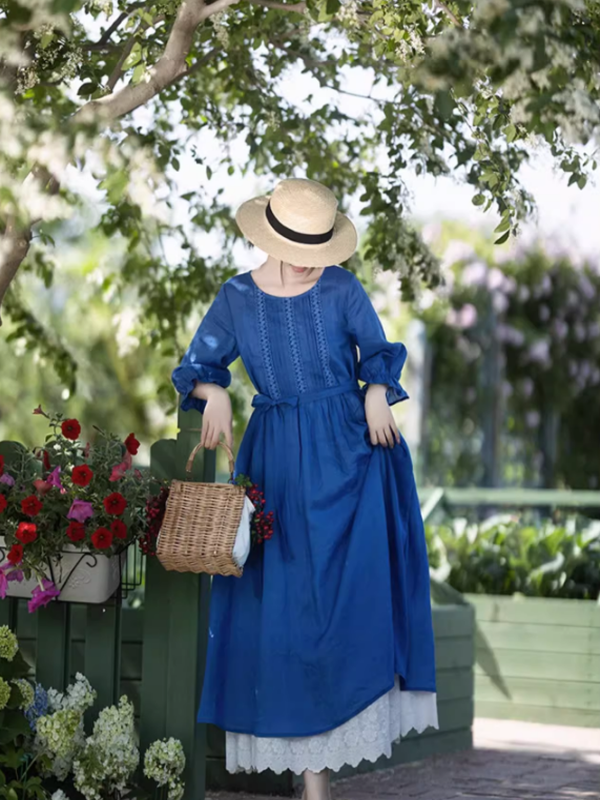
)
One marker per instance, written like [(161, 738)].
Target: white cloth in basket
[(241, 547)]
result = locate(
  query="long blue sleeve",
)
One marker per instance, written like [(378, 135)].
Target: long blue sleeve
[(380, 361), (211, 351)]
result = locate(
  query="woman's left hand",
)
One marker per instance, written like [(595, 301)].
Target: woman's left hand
[(382, 427)]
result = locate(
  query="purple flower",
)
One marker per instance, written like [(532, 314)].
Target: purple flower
[(8, 573), (474, 274), (532, 419), (54, 478), (7, 479), (560, 329), (80, 510), (42, 595), (540, 352)]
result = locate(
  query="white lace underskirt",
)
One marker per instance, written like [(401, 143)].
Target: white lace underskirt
[(369, 735)]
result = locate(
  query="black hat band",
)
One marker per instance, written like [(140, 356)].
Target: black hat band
[(295, 236)]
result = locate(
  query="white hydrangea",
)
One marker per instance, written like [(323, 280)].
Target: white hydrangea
[(164, 762), (79, 696), (110, 756), (59, 795)]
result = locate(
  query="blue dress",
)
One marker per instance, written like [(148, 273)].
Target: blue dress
[(337, 603)]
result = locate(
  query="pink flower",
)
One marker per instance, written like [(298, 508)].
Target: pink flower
[(80, 510), (43, 595), (7, 479), (54, 478), (119, 471), (8, 573)]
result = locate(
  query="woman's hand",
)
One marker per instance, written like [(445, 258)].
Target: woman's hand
[(382, 427), (217, 417)]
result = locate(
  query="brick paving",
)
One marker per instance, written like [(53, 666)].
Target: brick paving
[(510, 761)]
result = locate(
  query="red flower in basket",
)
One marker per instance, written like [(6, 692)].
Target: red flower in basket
[(115, 503), (3, 503), (26, 532), (15, 554), (31, 506), (118, 528), (102, 538), (132, 444), (71, 429), (82, 475), (76, 531)]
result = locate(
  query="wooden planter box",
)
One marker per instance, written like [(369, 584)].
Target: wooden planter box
[(538, 659), (454, 628)]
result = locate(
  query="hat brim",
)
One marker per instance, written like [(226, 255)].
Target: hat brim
[(252, 221)]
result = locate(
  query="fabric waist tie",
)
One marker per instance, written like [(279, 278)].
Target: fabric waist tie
[(264, 401)]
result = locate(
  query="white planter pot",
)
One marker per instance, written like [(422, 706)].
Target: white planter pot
[(82, 576)]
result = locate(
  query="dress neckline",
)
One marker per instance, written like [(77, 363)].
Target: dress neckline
[(287, 297)]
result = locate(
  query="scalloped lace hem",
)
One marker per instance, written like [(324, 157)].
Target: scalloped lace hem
[(367, 736)]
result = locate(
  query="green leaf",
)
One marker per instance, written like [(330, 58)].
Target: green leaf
[(478, 199), (503, 226), (134, 57), (503, 238), (444, 103), (581, 181), (510, 132), (138, 73), (86, 89)]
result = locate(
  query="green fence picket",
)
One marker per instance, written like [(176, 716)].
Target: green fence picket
[(102, 653), (52, 667)]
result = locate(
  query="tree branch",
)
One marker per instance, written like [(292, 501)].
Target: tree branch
[(170, 67), (300, 8), (443, 7), (119, 21)]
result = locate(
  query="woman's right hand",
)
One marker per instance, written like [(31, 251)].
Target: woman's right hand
[(217, 417)]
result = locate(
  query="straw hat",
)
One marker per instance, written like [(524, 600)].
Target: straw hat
[(299, 223)]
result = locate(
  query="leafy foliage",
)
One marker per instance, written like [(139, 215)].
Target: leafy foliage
[(505, 555), (457, 85)]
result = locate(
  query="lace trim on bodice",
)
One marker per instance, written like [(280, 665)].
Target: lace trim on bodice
[(266, 345), (317, 311), (295, 350)]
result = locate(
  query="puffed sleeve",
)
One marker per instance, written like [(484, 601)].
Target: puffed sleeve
[(380, 361), (211, 351)]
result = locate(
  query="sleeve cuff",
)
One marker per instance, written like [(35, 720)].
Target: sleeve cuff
[(184, 379), (381, 369)]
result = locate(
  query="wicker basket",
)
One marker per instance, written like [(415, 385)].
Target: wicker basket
[(201, 523)]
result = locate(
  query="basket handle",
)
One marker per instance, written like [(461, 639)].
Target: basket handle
[(225, 446)]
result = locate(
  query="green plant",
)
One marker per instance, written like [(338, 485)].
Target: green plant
[(515, 368), (505, 555)]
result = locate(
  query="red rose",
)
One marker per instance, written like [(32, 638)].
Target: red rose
[(1, 465), (132, 444), (31, 506), (3, 503), (119, 528), (76, 531), (15, 554), (82, 475), (71, 429), (102, 538), (115, 503), (26, 532)]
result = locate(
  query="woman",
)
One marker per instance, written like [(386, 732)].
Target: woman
[(322, 653)]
